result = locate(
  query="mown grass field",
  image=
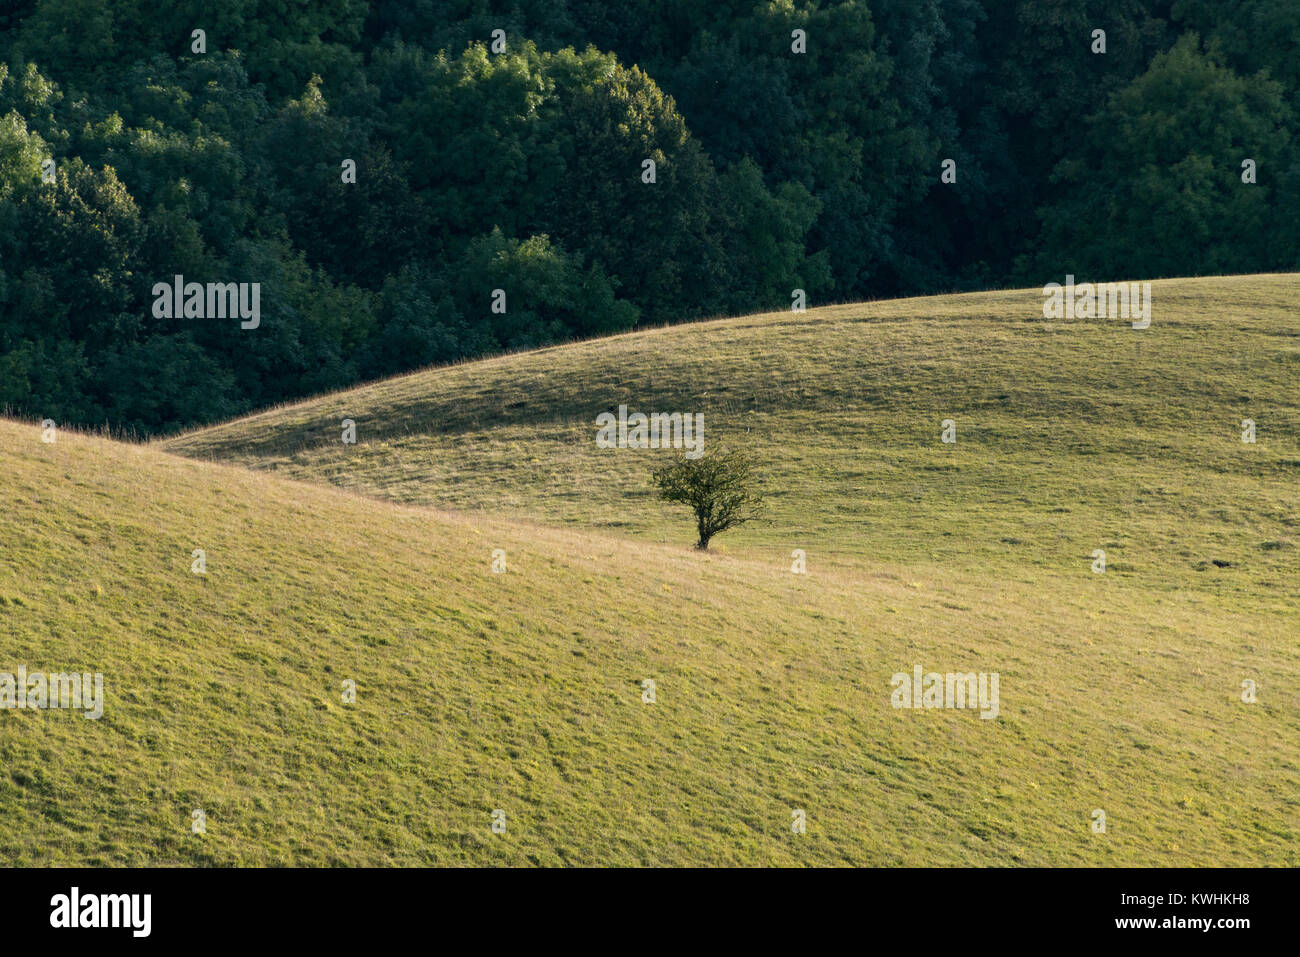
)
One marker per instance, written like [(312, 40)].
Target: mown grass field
[(523, 691)]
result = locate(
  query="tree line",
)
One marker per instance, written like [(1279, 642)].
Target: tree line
[(384, 168)]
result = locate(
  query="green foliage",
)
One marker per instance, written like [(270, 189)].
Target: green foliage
[(719, 486), (1157, 184), (523, 170), (1250, 35), (21, 155)]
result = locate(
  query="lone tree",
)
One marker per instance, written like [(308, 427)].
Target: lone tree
[(719, 486)]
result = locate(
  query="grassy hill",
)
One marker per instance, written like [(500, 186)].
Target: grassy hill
[(523, 691), (1071, 435)]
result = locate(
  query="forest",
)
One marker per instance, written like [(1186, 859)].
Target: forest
[(412, 182)]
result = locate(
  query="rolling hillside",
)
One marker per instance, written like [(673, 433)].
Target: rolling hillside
[(523, 691), (1072, 435)]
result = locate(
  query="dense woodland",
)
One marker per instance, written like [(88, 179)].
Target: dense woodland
[(522, 169)]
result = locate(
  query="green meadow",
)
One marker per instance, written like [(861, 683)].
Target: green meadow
[(523, 691)]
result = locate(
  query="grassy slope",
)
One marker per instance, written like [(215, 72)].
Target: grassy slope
[(1072, 435), (522, 691)]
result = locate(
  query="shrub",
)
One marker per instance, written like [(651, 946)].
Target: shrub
[(719, 486)]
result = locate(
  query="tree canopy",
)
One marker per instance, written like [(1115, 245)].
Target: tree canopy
[(383, 168)]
